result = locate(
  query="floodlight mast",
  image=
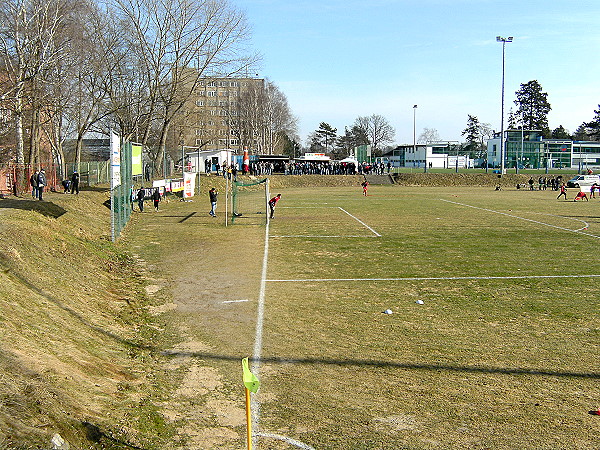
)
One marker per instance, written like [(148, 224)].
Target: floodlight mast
[(504, 41)]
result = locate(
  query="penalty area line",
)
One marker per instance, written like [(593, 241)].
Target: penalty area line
[(361, 222), (522, 218)]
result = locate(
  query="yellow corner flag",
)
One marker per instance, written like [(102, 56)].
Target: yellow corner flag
[(250, 381)]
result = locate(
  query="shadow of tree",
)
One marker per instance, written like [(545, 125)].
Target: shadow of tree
[(48, 209), (358, 363)]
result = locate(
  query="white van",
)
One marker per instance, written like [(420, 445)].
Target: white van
[(583, 181)]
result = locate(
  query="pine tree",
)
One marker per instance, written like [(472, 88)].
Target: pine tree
[(327, 135), (533, 107), (592, 128)]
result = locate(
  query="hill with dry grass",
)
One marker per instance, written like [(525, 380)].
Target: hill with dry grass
[(75, 358)]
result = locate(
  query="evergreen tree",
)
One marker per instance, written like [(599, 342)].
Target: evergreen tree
[(533, 107), (291, 147), (327, 135), (476, 134), (592, 128), (561, 133), (581, 133)]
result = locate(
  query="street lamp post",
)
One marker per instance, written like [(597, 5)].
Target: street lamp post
[(504, 41), (415, 134)]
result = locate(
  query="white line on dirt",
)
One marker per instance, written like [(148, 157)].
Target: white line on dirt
[(522, 218), (361, 222), (516, 277), (236, 301), (288, 440)]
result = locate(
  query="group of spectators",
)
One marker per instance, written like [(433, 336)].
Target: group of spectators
[(543, 183), (257, 168), (38, 182)]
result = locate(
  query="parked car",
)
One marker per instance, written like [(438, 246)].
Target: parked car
[(583, 181)]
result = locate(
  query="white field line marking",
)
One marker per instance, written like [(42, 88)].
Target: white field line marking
[(288, 440), (236, 301), (586, 225), (516, 277), (361, 222), (255, 404), (523, 218), (317, 236)]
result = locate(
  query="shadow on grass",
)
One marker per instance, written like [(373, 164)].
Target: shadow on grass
[(391, 364), (48, 209)]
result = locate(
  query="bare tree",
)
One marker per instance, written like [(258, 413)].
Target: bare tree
[(428, 135), (179, 43), (29, 47), (278, 120), (376, 129)]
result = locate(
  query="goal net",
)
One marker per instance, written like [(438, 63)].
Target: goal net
[(249, 202)]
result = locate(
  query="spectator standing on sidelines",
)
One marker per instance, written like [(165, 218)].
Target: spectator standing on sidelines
[(75, 183), (33, 180), (156, 198), (140, 198), (41, 183), (272, 204), (212, 195)]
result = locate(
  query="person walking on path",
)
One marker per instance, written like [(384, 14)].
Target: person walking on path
[(41, 181), (272, 204), (212, 194), (75, 183), (140, 198), (33, 180), (563, 191), (156, 198)]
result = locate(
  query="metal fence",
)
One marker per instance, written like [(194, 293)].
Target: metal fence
[(121, 195)]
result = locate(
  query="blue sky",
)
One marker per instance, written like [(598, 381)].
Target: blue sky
[(339, 59)]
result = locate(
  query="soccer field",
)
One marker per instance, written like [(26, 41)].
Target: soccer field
[(493, 337)]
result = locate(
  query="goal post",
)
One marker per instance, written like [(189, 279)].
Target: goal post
[(249, 202)]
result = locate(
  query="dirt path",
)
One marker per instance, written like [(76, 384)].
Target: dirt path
[(206, 286)]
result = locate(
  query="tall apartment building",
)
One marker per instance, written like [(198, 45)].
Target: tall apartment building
[(212, 118)]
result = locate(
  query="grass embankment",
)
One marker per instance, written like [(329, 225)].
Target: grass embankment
[(75, 357)]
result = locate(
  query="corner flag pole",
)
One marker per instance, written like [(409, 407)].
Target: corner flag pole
[(251, 383), (248, 419)]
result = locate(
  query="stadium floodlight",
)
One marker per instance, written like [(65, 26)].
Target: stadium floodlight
[(415, 134), (504, 41)]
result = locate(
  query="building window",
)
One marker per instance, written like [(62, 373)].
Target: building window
[(211, 93), (234, 142), (223, 83), (223, 142), (222, 103), (212, 84), (199, 102), (233, 84)]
